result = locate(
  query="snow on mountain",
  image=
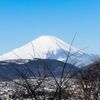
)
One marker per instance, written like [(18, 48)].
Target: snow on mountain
[(45, 47)]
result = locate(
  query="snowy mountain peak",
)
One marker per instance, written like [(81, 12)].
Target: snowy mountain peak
[(51, 43), (44, 47)]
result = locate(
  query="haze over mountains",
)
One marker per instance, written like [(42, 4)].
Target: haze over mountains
[(48, 47)]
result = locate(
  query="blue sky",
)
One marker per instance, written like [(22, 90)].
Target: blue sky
[(24, 20)]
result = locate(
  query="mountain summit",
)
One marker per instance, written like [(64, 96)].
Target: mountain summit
[(45, 47)]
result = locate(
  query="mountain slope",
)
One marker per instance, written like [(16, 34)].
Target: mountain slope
[(45, 47), (38, 67)]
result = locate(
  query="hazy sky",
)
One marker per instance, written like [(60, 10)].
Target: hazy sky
[(24, 20)]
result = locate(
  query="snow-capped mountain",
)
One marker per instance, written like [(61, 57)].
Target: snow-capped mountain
[(46, 47)]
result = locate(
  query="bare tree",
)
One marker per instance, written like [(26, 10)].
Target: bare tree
[(65, 87)]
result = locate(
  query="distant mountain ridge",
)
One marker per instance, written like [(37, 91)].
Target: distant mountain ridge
[(10, 70)]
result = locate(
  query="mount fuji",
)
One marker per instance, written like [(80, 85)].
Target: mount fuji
[(47, 47)]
